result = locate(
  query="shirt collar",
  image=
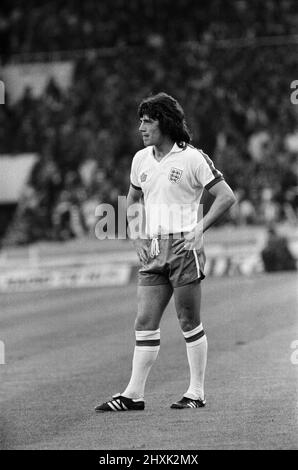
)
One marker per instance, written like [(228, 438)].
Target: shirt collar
[(174, 149)]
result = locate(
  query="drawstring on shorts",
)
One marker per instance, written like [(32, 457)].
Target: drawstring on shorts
[(154, 249)]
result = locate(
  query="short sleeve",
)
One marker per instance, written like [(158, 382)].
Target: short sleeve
[(134, 177), (206, 174)]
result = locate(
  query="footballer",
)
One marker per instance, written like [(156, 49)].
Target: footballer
[(168, 176)]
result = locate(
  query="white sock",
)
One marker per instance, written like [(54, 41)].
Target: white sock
[(145, 354), (196, 347)]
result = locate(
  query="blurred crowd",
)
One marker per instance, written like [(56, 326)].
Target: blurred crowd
[(236, 99), (32, 26)]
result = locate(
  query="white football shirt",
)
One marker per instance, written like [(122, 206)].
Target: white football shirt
[(172, 187)]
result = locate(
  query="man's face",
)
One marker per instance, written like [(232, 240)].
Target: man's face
[(150, 131)]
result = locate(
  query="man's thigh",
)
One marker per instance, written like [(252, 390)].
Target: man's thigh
[(188, 304), (152, 301)]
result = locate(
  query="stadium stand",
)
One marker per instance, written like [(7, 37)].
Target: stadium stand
[(232, 75)]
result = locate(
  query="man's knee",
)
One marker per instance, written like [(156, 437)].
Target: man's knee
[(188, 319), (145, 323)]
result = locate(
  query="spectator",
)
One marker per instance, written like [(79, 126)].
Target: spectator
[(276, 255)]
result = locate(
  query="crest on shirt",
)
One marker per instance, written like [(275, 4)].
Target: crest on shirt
[(175, 175), (143, 177)]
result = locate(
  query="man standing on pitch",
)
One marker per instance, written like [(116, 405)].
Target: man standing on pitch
[(169, 176)]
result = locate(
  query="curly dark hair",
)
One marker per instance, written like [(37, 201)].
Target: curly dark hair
[(169, 113)]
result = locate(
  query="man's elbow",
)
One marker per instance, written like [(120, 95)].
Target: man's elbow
[(230, 199)]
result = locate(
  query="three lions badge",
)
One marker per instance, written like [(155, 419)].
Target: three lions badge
[(175, 175)]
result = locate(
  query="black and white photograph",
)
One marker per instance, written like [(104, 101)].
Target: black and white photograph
[(148, 228)]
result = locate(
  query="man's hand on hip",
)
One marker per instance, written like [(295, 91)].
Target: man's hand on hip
[(142, 248)]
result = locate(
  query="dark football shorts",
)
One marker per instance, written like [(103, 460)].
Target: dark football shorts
[(170, 268)]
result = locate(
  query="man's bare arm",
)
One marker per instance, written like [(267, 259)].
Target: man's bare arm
[(224, 199), (135, 219), (134, 196)]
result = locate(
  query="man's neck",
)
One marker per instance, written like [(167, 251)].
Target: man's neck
[(163, 149)]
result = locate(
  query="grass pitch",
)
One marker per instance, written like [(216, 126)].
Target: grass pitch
[(68, 350)]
